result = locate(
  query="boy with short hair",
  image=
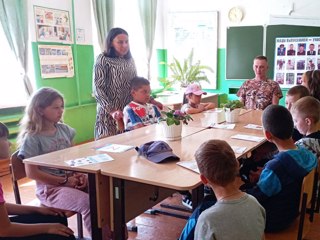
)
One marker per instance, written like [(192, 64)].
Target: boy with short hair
[(294, 94), (306, 115), (219, 169), (279, 185), (139, 112)]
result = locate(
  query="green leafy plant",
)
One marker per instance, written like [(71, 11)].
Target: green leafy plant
[(187, 72), (232, 104), (174, 117)]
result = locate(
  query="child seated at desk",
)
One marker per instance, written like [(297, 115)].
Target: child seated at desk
[(139, 112), (29, 222), (306, 115), (277, 187), (193, 96), (219, 168)]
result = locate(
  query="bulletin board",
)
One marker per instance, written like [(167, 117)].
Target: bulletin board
[(197, 31)]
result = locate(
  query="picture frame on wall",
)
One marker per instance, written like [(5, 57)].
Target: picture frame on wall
[(52, 25)]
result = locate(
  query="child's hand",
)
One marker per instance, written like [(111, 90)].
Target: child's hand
[(50, 211), (59, 229), (82, 181), (201, 107), (117, 115)]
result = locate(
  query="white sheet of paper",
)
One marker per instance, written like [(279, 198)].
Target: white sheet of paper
[(253, 126), (247, 137), (223, 125), (89, 160), (115, 148), (238, 150), (191, 165)]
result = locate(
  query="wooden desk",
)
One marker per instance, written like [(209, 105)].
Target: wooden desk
[(174, 100), (121, 189)]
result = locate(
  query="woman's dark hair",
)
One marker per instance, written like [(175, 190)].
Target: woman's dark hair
[(314, 84), (109, 50)]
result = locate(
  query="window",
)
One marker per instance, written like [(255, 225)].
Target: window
[(12, 91)]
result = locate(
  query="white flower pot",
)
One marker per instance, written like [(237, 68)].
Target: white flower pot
[(232, 116), (172, 132)]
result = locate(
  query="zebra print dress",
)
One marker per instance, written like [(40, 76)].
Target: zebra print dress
[(112, 78)]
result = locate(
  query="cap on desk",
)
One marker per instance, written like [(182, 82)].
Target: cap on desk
[(157, 151)]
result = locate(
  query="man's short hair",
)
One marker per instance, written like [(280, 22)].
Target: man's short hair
[(217, 162), (261, 57), (138, 82), (278, 121), (307, 107), (299, 90)]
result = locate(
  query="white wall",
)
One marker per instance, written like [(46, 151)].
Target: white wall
[(82, 16), (256, 12)]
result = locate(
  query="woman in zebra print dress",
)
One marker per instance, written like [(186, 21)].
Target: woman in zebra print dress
[(113, 71)]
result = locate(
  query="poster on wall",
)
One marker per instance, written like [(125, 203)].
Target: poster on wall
[(52, 25), (56, 61), (293, 57), (197, 31)]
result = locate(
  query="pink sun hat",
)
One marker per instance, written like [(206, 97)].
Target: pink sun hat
[(194, 89)]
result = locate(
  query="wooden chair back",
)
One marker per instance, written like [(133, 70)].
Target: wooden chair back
[(18, 172), (301, 225)]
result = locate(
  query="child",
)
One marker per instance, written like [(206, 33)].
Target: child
[(139, 112), (311, 80), (29, 222), (219, 169), (41, 132), (306, 115), (279, 185), (292, 96), (193, 95)]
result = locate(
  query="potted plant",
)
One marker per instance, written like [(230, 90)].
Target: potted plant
[(232, 110), (187, 71), (172, 121)]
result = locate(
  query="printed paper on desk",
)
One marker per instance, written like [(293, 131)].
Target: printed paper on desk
[(254, 126), (115, 148), (191, 165), (248, 137), (238, 150), (89, 160), (223, 126)]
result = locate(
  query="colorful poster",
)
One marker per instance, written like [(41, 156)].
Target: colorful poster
[(293, 57), (52, 25), (56, 61)]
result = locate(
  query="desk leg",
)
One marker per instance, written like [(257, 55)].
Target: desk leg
[(119, 208), (197, 196), (96, 231)]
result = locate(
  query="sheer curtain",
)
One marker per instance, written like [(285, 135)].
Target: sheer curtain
[(148, 16), (14, 20), (103, 11)]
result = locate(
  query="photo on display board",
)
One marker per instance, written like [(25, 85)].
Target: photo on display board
[(293, 57)]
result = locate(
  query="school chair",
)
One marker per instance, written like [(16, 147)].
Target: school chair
[(301, 226), (18, 172)]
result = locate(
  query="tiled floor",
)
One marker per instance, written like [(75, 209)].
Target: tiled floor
[(160, 227)]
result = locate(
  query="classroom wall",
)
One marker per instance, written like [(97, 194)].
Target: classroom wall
[(80, 105)]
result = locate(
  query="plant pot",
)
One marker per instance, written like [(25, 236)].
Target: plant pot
[(172, 132), (232, 116)]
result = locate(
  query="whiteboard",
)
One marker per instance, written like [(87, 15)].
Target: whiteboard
[(197, 30)]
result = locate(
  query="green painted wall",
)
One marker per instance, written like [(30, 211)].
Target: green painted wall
[(80, 106)]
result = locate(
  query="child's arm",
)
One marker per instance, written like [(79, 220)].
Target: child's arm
[(208, 105), (191, 110), (35, 173), (8, 229)]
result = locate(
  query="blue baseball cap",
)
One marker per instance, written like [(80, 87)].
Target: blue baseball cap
[(157, 151)]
